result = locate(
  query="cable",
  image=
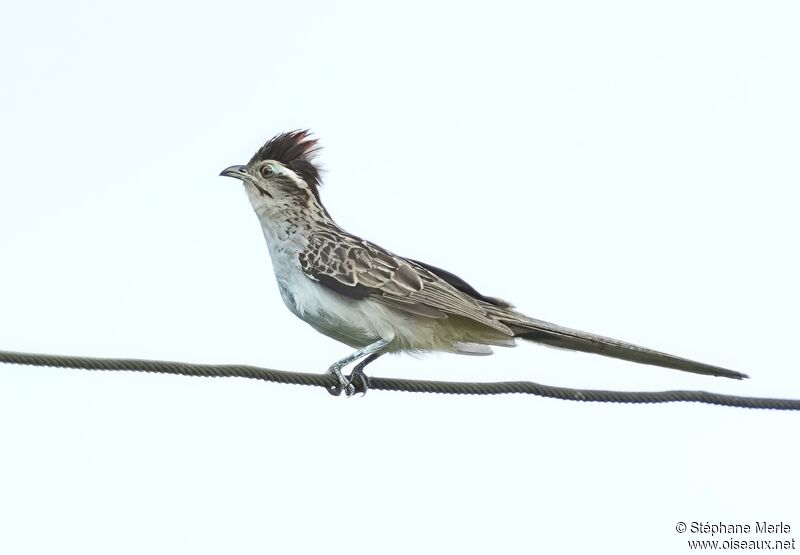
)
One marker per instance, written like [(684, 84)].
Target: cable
[(393, 384)]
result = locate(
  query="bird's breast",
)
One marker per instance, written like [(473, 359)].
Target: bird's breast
[(326, 311)]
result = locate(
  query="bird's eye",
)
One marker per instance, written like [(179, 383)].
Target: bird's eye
[(267, 171)]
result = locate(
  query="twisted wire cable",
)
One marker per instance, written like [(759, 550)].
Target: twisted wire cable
[(330, 383)]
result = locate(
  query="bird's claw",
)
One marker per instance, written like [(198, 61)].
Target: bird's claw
[(358, 374), (344, 384), (348, 384)]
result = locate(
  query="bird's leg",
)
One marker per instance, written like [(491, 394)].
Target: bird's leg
[(336, 367), (358, 372)]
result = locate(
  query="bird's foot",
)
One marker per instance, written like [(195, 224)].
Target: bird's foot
[(344, 383), (347, 384), (358, 375)]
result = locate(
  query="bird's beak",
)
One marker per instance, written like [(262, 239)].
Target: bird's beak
[(239, 172)]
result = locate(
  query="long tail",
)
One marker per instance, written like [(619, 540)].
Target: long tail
[(566, 338)]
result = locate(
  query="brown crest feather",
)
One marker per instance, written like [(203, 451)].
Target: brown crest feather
[(295, 150)]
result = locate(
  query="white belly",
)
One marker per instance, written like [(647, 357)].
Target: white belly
[(329, 312)]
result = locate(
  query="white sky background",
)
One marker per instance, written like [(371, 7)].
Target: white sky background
[(622, 168)]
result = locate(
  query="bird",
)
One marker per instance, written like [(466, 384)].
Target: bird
[(378, 302)]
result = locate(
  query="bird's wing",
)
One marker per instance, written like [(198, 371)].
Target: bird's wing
[(359, 269)]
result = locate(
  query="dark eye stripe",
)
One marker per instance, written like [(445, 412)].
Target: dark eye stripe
[(287, 185)]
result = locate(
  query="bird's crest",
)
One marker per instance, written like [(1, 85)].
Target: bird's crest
[(295, 150)]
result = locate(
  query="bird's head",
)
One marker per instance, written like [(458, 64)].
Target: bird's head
[(282, 173)]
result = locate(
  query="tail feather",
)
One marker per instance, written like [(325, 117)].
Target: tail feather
[(566, 338)]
